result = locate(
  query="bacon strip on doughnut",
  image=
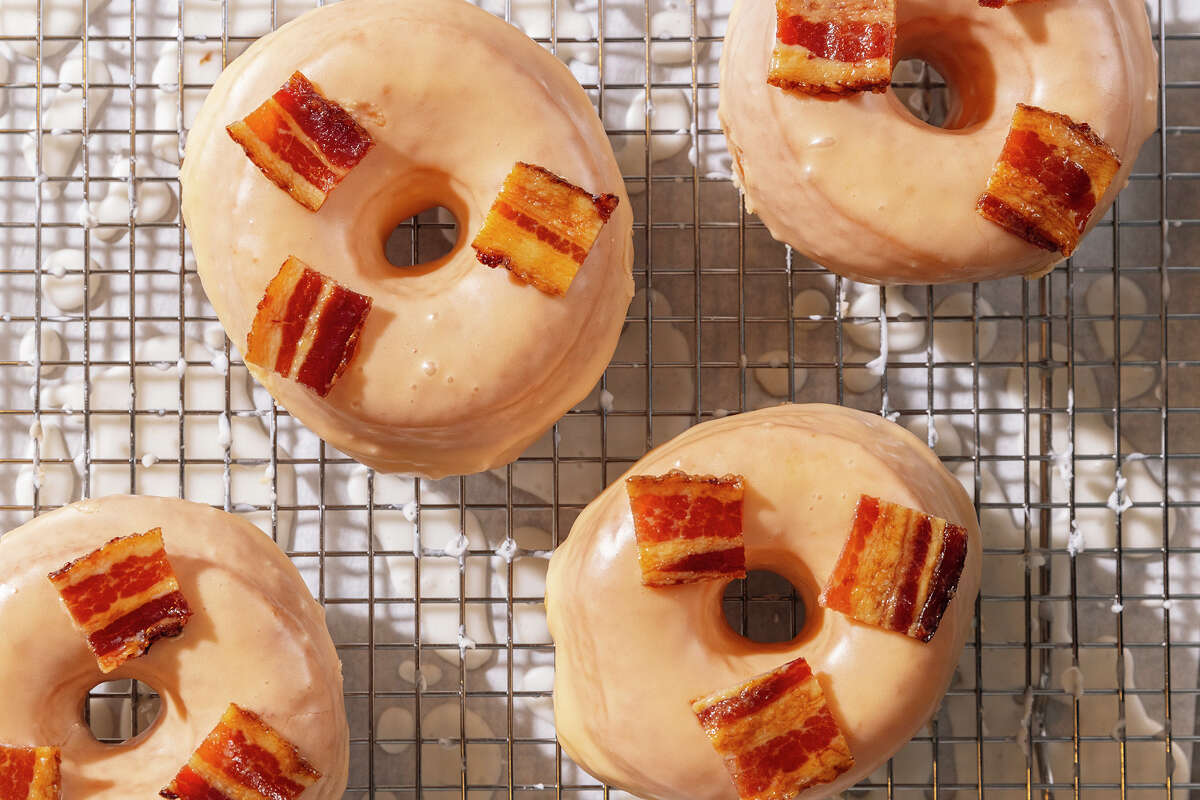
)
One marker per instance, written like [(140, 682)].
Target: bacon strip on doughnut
[(833, 47), (243, 758), (688, 527), (776, 733), (30, 773), (541, 228), (307, 326), (124, 597), (898, 570), (1048, 179), (305, 143)]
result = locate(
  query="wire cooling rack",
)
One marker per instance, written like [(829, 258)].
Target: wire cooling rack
[(1081, 676)]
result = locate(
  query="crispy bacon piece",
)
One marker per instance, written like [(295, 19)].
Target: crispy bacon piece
[(1003, 3), (243, 758), (776, 733), (307, 326), (124, 597), (541, 228), (833, 47), (305, 143), (688, 527), (1048, 179), (898, 570), (30, 773)]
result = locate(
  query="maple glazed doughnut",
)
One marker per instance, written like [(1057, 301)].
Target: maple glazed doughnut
[(241, 656), (634, 651), (309, 151), (860, 185)]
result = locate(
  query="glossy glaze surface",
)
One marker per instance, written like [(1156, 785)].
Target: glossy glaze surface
[(460, 366), (895, 197), (630, 659), (256, 638)]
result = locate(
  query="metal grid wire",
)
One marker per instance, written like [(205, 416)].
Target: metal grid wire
[(710, 272)]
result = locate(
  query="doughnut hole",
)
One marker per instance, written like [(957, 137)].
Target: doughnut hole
[(922, 90), (422, 238), (117, 711), (945, 81), (766, 607)]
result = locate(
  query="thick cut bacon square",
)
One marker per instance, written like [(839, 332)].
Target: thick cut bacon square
[(307, 327), (833, 47), (123, 597), (776, 733), (1048, 179), (898, 570), (541, 228), (688, 527), (30, 773), (243, 758), (303, 142)]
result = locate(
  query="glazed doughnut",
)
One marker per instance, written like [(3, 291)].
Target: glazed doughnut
[(627, 652), (255, 637), (864, 188), (458, 364)]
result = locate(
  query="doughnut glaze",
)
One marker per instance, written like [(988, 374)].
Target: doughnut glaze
[(256, 638), (459, 366), (630, 659), (866, 189)]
